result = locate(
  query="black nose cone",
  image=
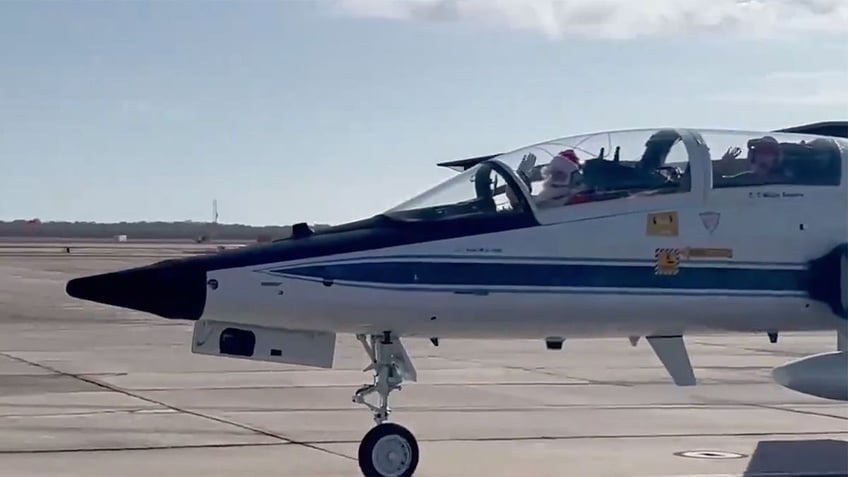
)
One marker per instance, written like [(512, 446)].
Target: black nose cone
[(170, 289)]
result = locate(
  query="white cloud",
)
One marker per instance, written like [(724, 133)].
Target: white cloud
[(794, 88), (620, 19)]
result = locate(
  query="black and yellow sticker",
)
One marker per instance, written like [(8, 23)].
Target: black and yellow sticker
[(667, 261)]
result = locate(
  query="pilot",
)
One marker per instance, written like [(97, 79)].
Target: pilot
[(765, 158), (562, 180)]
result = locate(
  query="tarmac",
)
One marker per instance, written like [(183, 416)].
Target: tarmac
[(87, 390)]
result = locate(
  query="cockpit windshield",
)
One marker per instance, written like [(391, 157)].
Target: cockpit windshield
[(744, 159), (481, 190), (603, 166)]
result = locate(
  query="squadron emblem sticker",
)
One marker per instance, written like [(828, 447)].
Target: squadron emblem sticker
[(710, 220)]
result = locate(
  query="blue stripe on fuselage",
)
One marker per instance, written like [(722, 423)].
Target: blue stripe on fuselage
[(474, 274)]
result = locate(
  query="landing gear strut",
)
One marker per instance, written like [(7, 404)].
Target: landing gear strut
[(387, 450)]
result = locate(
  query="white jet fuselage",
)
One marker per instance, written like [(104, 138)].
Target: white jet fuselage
[(654, 233), (588, 270)]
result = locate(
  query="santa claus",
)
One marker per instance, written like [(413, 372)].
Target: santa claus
[(561, 180)]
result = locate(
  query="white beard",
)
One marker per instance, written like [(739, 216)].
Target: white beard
[(553, 190)]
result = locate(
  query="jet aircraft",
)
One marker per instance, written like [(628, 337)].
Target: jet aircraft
[(653, 233)]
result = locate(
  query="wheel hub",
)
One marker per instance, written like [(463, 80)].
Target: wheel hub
[(391, 455)]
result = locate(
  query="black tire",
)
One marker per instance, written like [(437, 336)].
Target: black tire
[(384, 434)]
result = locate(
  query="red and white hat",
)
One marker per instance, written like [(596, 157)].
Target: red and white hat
[(564, 164)]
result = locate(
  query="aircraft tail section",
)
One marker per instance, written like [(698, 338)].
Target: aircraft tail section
[(823, 128)]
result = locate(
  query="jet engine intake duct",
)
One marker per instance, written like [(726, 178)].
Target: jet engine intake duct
[(828, 280)]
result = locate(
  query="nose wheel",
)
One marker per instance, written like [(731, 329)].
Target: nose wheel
[(388, 449)]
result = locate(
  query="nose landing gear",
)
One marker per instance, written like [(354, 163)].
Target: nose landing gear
[(387, 450)]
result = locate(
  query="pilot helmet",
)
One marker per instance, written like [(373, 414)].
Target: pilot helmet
[(562, 168), (764, 144)]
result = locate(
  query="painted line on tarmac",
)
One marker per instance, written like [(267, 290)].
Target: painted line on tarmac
[(600, 437), (799, 411), (210, 417), (140, 448)]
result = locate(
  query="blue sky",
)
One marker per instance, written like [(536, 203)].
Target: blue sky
[(328, 111)]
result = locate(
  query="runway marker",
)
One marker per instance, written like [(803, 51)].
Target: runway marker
[(709, 454)]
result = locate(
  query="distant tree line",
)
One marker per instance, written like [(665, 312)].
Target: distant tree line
[(195, 231)]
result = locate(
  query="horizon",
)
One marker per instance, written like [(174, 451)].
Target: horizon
[(335, 110), (126, 222)]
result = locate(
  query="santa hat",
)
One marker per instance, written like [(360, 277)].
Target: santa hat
[(570, 155), (564, 162)]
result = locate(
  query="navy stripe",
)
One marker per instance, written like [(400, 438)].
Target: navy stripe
[(562, 291), (554, 275), (495, 257)]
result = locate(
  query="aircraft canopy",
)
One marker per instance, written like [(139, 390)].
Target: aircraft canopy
[(630, 163), (823, 128)]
